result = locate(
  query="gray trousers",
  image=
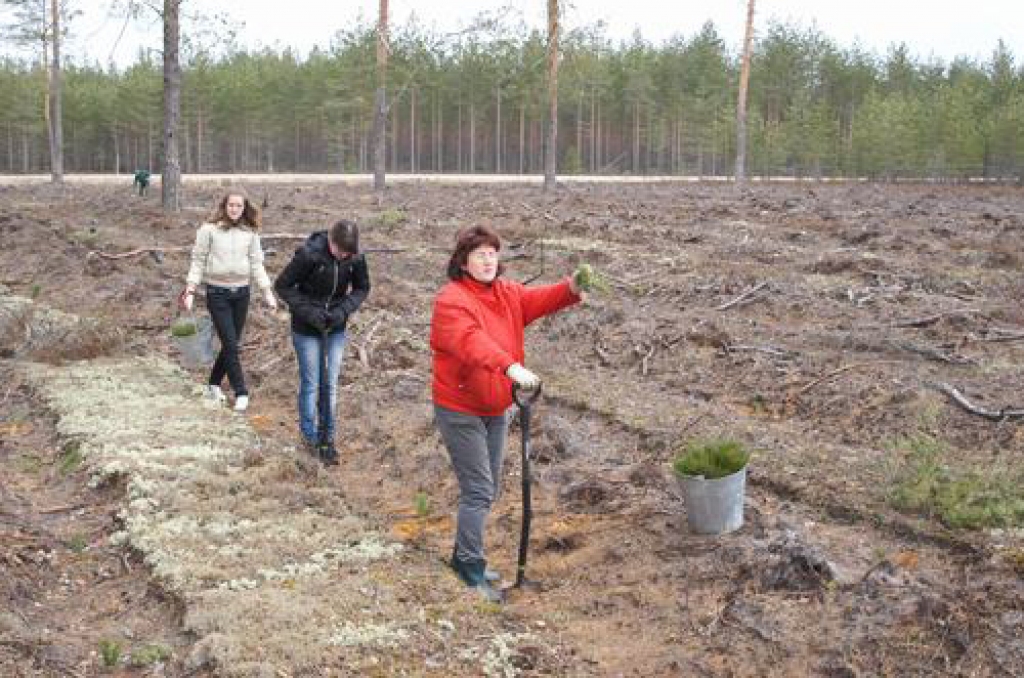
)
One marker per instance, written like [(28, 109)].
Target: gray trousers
[(475, 445)]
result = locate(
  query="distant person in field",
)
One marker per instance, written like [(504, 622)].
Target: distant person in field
[(476, 337), (324, 284), (141, 181), (227, 258)]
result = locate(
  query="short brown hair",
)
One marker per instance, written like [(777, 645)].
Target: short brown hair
[(345, 236), (250, 213), (468, 240)]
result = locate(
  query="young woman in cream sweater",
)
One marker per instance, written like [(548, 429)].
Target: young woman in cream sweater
[(227, 257)]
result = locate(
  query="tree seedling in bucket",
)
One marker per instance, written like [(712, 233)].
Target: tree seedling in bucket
[(712, 476), (184, 327), (711, 459)]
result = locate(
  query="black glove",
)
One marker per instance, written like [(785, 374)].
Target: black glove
[(317, 317), (336, 318)]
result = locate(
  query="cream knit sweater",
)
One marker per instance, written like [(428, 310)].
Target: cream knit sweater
[(227, 257)]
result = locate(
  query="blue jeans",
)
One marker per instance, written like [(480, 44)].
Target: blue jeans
[(318, 383), (228, 310)]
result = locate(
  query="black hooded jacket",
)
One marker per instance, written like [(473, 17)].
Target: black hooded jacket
[(321, 291)]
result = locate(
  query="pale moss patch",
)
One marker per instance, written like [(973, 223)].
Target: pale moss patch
[(575, 244), (380, 635), (258, 577), (497, 661)]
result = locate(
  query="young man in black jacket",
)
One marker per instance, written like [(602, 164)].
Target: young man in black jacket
[(323, 285)]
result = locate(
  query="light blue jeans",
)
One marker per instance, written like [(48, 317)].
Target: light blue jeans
[(318, 383)]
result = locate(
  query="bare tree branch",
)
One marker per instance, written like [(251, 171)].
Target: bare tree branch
[(960, 399)]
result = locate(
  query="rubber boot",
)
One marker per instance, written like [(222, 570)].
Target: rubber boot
[(472, 574), (489, 574)]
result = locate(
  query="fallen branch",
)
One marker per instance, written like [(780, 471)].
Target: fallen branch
[(363, 348), (932, 319), (62, 509), (934, 354), (998, 334), (645, 359), (743, 298), (136, 252), (270, 363), (960, 399), (602, 353), (839, 371), (729, 348)]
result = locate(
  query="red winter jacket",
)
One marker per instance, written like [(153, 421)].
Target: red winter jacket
[(476, 332)]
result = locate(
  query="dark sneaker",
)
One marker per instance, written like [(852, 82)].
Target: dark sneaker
[(328, 454)]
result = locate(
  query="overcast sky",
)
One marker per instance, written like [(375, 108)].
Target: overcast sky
[(939, 29)]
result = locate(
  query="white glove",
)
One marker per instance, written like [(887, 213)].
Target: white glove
[(270, 299), (523, 377)]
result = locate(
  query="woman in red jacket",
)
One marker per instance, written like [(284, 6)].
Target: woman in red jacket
[(476, 336)]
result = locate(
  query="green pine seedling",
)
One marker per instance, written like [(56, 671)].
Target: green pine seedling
[(110, 652), (422, 504), (711, 459), (589, 280), (183, 327)]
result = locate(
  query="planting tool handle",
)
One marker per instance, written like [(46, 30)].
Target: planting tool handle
[(529, 399)]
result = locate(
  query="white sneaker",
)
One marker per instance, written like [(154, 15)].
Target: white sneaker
[(214, 394), (241, 403)]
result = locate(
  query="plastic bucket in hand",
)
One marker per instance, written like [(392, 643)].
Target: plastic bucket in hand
[(194, 338), (714, 506)]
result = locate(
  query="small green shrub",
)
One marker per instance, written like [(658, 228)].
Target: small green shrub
[(962, 499), (183, 327), (712, 459), (149, 655), (110, 653), (392, 217), (422, 503), (35, 290), (71, 458), (78, 543)]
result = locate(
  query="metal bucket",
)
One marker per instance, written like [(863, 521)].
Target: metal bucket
[(714, 506), (198, 350)]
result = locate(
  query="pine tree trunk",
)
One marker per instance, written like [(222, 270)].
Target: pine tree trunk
[(171, 177), (199, 141), (551, 140), (380, 101), (593, 130), (413, 163), (458, 142), (438, 135), (522, 137), (636, 137), (741, 100), (497, 131), (56, 87), (472, 138)]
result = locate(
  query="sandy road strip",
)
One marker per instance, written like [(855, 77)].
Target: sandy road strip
[(354, 179)]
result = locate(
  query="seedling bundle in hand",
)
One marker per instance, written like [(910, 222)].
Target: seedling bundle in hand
[(589, 280)]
